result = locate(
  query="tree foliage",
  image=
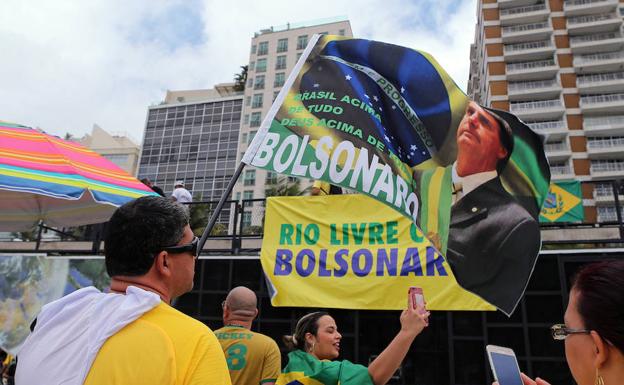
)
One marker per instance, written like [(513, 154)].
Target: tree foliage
[(240, 79)]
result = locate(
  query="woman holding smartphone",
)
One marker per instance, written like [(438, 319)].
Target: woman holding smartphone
[(593, 331), (316, 343)]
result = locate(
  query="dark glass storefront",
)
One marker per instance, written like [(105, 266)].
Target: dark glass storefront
[(450, 351)]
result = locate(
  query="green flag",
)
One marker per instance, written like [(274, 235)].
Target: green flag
[(564, 203)]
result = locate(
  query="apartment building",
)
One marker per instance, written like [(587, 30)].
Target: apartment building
[(273, 54), (118, 147), (192, 136), (559, 66)]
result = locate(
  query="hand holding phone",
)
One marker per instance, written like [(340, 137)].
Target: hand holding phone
[(504, 365), (418, 297)]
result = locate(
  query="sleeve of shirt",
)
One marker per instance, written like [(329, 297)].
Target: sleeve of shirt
[(272, 364), (209, 366)]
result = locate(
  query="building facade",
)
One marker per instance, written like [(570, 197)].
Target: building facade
[(118, 148), (559, 66), (192, 136), (273, 54)]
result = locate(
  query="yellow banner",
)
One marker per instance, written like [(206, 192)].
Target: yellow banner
[(353, 252)]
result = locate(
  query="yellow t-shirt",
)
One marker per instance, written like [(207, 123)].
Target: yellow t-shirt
[(252, 358), (163, 346)]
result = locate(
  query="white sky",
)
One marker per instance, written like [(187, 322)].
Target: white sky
[(67, 64)]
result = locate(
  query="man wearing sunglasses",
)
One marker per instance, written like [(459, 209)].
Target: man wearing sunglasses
[(131, 335)]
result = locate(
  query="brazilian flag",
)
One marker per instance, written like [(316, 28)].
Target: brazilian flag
[(564, 203), (304, 369)]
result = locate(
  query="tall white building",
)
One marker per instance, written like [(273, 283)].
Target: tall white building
[(273, 54), (119, 148), (559, 66)]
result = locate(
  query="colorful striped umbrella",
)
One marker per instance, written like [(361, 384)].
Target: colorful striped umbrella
[(43, 177)]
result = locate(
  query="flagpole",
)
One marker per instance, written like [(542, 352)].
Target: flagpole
[(217, 210)]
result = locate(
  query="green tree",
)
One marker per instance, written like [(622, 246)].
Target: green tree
[(284, 187), (240, 79)]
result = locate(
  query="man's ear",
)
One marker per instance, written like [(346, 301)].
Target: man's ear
[(502, 152), (162, 263), (602, 349), (255, 314)]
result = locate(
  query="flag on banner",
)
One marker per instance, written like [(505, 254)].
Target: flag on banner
[(564, 203), (384, 120)]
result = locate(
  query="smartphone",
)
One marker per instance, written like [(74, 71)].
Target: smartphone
[(504, 365), (418, 297)]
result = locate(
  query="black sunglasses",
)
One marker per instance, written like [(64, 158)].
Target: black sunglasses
[(189, 247), (560, 331)]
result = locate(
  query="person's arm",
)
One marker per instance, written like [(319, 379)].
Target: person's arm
[(526, 380), (413, 321)]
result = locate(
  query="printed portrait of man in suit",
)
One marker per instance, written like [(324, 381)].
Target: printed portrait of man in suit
[(493, 241)]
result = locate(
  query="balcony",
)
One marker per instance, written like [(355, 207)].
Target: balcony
[(588, 7), (605, 148), (538, 110), (604, 125), (532, 70), (608, 214), (594, 23), (539, 89), (557, 151), (599, 62), (600, 104), (600, 83), (607, 168), (524, 15), (543, 49), (552, 129), (598, 42), (603, 193), (527, 32), (560, 171)]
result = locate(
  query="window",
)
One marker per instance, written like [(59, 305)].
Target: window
[(324, 33), (271, 177), (299, 55), (275, 93), (244, 137), (252, 134), (341, 32), (250, 178), (255, 119), (250, 82), (246, 119), (238, 196), (280, 64), (252, 65), (282, 45), (257, 101), (259, 84), (248, 194), (262, 64), (279, 79), (248, 101), (302, 41), (253, 48), (263, 48)]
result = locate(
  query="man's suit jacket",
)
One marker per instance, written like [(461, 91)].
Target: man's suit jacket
[(493, 245)]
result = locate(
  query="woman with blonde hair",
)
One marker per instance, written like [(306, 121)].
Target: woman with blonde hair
[(316, 343)]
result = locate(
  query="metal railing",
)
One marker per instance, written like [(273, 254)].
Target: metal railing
[(572, 3), (595, 99), (607, 142), (523, 86), (598, 78), (606, 165), (527, 46), (519, 67), (595, 37), (603, 121), (597, 57), (550, 125), (525, 27), (591, 18), (536, 105), (557, 146), (520, 10), (560, 170)]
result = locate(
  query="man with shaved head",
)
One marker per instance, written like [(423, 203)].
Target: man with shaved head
[(252, 358)]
